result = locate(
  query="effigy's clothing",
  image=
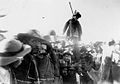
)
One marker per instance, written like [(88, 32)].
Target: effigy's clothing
[(73, 28)]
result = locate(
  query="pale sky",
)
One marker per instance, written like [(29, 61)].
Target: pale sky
[(100, 18)]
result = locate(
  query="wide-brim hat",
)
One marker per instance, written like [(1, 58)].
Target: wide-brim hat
[(12, 50)]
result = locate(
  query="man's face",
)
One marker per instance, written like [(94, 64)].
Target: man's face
[(41, 51), (43, 48)]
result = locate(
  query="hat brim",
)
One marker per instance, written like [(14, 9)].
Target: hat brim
[(8, 60)]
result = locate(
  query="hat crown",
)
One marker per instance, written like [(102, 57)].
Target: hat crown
[(12, 50), (10, 45), (77, 14)]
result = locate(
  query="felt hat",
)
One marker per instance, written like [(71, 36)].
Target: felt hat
[(12, 50)]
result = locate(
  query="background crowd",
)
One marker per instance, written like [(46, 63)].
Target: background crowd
[(31, 58)]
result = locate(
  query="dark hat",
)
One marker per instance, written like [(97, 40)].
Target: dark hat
[(112, 42), (12, 50), (34, 32), (77, 14)]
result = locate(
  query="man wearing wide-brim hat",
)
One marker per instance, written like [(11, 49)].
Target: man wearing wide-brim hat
[(11, 51)]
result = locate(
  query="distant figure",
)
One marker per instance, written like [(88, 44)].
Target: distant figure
[(109, 71)]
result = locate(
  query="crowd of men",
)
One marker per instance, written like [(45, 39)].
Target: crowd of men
[(28, 58)]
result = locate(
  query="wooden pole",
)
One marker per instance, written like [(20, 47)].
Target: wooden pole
[(71, 7)]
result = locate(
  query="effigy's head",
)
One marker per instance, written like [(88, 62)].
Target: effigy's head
[(77, 15)]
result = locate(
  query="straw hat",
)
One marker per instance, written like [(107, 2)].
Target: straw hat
[(12, 50)]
